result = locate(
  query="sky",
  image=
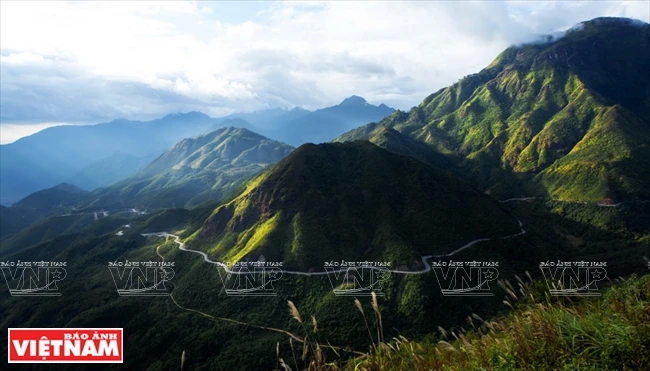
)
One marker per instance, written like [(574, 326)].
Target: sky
[(92, 61)]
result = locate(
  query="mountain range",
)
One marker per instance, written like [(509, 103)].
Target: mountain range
[(350, 201), (209, 167), (299, 126), (541, 156), (61, 153), (194, 170), (93, 156), (566, 118)]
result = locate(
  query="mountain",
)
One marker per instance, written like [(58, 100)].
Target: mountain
[(194, 170), (92, 156), (55, 226), (394, 141), (60, 195), (39, 205), (266, 122), (567, 118), (11, 221), (298, 126), (109, 170), (57, 154), (393, 196), (412, 305), (325, 124), (350, 201)]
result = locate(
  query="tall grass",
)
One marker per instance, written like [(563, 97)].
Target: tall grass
[(312, 356), (611, 332), (607, 333)]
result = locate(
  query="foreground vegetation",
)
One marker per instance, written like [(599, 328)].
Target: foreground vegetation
[(607, 333)]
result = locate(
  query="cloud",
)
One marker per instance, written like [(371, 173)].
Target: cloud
[(90, 61)]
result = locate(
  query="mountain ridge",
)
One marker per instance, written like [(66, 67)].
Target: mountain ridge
[(327, 123), (194, 170), (279, 215), (561, 116), (73, 153), (64, 151)]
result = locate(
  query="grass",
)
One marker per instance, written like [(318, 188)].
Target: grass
[(313, 355), (607, 333)]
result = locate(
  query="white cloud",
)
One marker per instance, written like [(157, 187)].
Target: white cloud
[(144, 59), (22, 59)]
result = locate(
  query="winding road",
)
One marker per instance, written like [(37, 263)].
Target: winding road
[(182, 246), (599, 204), (273, 329)]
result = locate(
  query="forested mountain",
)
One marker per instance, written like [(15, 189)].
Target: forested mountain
[(568, 118), (350, 201), (194, 170), (542, 156)]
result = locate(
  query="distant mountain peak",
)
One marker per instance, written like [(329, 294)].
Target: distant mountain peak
[(612, 21), (120, 121), (196, 169), (67, 187), (188, 115), (355, 99), (233, 130)]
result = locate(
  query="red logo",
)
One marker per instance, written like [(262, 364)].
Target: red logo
[(65, 345)]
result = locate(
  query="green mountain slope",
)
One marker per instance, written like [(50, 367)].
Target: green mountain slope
[(56, 226), (571, 117), (39, 205), (195, 170), (412, 306), (394, 141), (350, 201)]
